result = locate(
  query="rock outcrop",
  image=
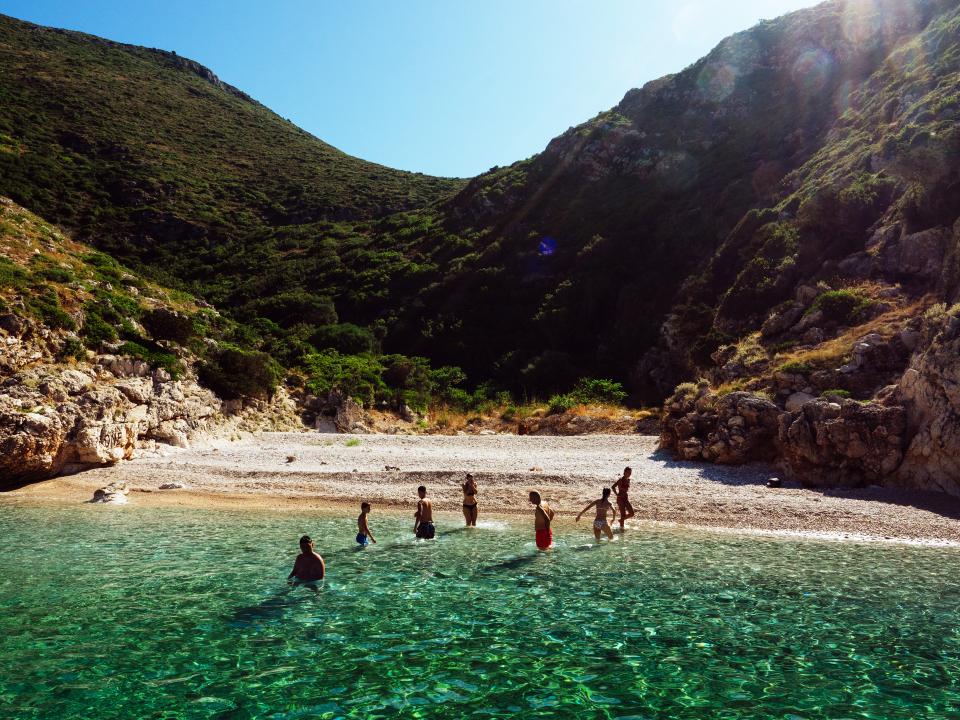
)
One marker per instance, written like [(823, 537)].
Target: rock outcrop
[(728, 430), (830, 444), (930, 388)]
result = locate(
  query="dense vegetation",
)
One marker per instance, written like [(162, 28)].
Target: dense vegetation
[(701, 200)]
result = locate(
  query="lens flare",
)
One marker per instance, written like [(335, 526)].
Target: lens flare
[(812, 70), (547, 246)]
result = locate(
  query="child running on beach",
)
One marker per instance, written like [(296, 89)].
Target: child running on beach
[(309, 566), (600, 523), (470, 510), (542, 517), (621, 488), (363, 530), (423, 519)]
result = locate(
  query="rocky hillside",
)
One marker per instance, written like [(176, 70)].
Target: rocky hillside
[(768, 238), (96, 363)]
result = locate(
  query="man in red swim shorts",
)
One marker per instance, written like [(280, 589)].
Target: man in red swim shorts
[(542, 517)]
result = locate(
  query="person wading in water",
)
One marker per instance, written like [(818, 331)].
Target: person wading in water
[(600, 524), (621, 488), (542, 517), (470, 509)]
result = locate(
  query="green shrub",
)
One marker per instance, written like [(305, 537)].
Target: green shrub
[(72, 348), (96, 328), (684, 391), (232, 373), (841, 306), (45, 305), (359, 376), (157, 358), (602, 390), (842, 394), (562, 403), (165, 324), (44, 268), (796, 368), (345, 338), (12, 275)]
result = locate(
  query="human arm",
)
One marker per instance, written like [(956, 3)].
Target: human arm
[(416, 515), (293, 573), (365, 529), (584, 510)]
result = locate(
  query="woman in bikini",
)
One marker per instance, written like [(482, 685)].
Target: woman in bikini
[(470, 501), (600, 524)]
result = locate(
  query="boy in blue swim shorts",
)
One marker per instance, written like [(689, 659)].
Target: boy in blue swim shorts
[(363, 530)]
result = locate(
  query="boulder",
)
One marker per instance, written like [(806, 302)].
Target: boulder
[(30, 444), (842, 444), (797, 400), (115, 493), (729, 430)]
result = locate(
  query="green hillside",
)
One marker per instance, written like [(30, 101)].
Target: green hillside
[(632, 248), (151, 155)]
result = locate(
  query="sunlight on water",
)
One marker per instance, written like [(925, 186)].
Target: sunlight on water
[(126, 612)]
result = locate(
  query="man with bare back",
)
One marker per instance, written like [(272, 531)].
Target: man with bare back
[(423, 519), (542, 517)]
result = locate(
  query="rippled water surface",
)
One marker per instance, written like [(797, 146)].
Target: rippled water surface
[(131, 613)]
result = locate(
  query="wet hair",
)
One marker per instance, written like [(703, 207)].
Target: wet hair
[(606, 493), (305, 541), (364, 506), (422, 489), (627, 470), (535, 496)]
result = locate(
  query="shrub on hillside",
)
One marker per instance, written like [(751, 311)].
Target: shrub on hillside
[(232, 373), (154, 356), (843, 307), (165, 324), (344, 338)]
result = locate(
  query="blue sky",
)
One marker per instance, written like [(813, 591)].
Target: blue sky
[(446, 87)]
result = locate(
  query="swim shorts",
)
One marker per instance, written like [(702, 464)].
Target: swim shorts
[(599, 524), (362, 539), (545, 539), (426, 531)]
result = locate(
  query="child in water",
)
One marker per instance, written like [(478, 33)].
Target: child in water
[(363, 530), (309, 566)]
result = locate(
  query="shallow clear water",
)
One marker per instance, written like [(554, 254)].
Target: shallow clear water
[(125, 612)]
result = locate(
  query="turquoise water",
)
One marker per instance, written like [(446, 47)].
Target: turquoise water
[(131, 613)]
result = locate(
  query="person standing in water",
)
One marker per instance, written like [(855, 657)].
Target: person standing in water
[(363, 530), (600, 524), (423, 519), (470, 510), (309, 566), (621, 489), (542, 517)]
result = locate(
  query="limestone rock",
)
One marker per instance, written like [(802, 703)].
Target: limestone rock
[(848, 444), (930, 389), (798, 400), (114, 493)]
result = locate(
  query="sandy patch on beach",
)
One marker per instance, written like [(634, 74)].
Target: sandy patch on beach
[(329, 471)]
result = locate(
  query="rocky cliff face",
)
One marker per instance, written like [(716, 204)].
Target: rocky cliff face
[(82, 381)]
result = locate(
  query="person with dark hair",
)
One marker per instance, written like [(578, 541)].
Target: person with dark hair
[(600, 524), (309, 566), (470, 510), (621, 488), (423, 519), (542, 517), (363, 530)]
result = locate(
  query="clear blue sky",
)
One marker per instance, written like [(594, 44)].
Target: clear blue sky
[(446, 87)]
